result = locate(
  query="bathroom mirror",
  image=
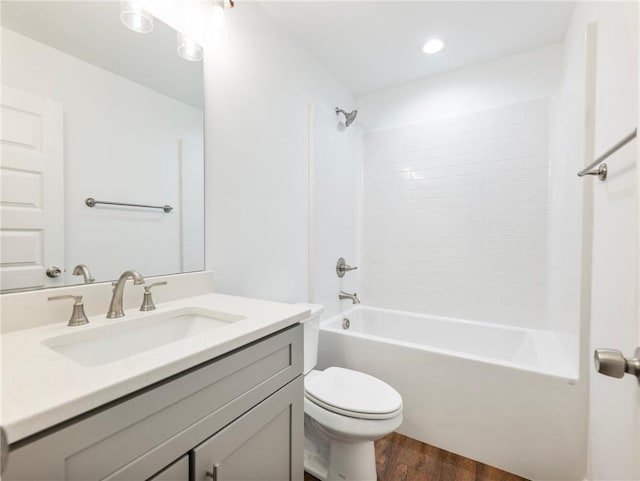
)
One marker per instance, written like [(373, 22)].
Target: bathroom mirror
[(95, 110)]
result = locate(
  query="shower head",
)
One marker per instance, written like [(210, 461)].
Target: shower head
[(348, 116)]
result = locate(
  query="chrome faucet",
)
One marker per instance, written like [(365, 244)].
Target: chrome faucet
[(83, 270), (115, 308), (353, 297)]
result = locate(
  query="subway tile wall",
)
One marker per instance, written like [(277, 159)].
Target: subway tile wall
[(455, 216)]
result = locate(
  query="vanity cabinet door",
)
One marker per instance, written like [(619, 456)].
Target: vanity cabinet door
[(265, 444), (178, 471)]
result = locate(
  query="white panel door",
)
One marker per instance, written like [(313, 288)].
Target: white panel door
[(31, 191), (614, 404)]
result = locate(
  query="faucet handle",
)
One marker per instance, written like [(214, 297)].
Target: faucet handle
[(78, 316), (147, 300), (342, 267)]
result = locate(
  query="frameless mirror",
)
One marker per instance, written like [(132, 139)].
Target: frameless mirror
[(94, 110)]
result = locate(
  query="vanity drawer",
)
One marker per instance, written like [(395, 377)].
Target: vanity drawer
[(133, 438), (178, 471)]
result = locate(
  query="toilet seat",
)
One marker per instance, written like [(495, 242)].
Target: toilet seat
[(352, 393)]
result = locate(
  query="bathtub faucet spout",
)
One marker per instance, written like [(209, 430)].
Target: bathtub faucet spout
[(353, 297)]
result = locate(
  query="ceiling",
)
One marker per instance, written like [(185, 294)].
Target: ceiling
[(372, 45), (92, 31)]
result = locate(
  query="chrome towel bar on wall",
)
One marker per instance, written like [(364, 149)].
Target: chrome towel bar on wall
[(91, 202), (602, 169)]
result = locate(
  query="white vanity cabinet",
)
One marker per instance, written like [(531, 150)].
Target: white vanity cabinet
[(237, 417)]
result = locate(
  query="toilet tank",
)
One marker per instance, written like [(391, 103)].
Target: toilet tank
[(311, 327)]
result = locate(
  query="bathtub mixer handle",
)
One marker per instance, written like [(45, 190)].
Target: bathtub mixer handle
[(342, 267)]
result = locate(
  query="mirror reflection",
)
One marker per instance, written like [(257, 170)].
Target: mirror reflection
[(95, 110)]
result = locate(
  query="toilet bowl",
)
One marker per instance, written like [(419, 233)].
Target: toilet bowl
[(345, 412)]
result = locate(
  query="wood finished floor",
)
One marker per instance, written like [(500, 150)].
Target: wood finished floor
[(399, 458)]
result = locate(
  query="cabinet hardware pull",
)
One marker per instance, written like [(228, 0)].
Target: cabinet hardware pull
[(214, 474)]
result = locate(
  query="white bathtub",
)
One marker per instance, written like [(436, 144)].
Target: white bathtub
[(508, 397)]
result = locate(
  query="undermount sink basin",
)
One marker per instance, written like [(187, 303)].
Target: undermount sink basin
[(104, 344)]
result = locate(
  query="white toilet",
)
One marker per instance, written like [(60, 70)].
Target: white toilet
[(344, 412)]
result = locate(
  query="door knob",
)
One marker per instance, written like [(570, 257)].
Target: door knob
[(612, 362), (54, 271)]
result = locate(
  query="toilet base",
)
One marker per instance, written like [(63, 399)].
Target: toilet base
[(316, 450), (347, 462), (352, 461), (333, 460), (315, 468)]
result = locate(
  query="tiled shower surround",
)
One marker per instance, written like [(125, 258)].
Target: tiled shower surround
[(455, 216)]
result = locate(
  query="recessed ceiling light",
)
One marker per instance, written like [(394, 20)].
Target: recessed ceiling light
[(434, 45)]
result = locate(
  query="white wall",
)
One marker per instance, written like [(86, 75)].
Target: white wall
[(525, 76), (335, 213), (259, 87), (121, 143)]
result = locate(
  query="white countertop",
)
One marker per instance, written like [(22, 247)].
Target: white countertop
[(41, 388)]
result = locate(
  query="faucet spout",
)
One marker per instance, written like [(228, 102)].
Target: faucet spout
[(352, 297), (83, 270), (115, 308)]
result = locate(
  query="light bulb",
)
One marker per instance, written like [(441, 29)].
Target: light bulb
[(188, 49), (135, 17)]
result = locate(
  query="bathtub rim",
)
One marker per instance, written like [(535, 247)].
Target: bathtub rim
[(571, 373)]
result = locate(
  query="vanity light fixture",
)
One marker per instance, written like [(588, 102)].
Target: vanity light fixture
[(188, 49), (433, 45), (135, 17)]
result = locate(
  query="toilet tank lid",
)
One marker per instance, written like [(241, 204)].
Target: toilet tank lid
[(316, 309)]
